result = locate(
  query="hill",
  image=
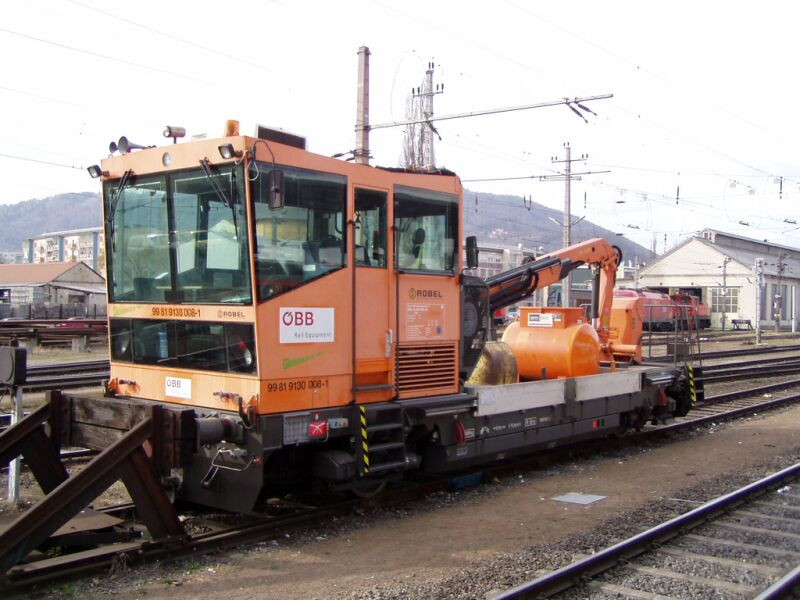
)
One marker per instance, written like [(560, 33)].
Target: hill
[(493, 218), (32, 218), (508, 220)]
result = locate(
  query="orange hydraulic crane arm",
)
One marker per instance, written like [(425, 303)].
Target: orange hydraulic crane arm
[(520, 282)]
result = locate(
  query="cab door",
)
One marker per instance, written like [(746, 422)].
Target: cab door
[(373, 303)]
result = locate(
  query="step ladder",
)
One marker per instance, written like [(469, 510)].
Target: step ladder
[(381, 446)]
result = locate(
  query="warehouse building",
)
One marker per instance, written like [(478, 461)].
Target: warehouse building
[(51, 283), (721, 269)]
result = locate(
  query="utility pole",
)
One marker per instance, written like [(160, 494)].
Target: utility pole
[(725, 262), (778, 300), (567, 225), (361, 153), (759, 269), (426, 95)]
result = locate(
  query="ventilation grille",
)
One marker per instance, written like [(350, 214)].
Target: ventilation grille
[(425, 369)]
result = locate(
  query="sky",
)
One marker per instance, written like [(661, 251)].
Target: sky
[(700, 132)]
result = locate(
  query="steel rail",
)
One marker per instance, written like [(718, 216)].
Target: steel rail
[(43, 384), (68, 367), (79, 563), (736, 394), (731, 353), (732, 374), (783, 587), (728, 414), (568, 576), (773, 360)]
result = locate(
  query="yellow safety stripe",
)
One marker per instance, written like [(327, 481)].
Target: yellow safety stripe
[(692, 388), (364, 443)]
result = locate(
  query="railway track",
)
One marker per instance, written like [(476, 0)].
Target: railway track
[(70, 375), (741, 545), (220, 536), (752, 369), (297, 515), (732, 353), (89, 373)]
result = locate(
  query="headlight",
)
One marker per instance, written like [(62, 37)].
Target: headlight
[(247, 356), (122, 342)]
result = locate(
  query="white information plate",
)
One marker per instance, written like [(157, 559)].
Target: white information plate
[(301, 325), (540, 319), (178, 387)]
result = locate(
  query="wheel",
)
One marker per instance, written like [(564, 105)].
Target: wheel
[(368, 489)]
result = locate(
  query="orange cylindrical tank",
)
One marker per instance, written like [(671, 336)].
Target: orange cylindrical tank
[(555, 341)]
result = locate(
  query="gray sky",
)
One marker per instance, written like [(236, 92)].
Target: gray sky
[(704, 95)]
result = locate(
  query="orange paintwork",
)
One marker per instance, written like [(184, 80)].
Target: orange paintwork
[(627, 315), (555, 341), (696, 309), (371, 306), (596, 252)]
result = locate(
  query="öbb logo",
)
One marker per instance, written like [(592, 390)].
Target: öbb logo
[(298, 318)]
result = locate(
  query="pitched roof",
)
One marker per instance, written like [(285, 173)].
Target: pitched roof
[(33, 273), (745, 255), (733, 236)]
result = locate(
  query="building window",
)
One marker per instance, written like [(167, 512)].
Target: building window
[(771, 300), (724, 300)]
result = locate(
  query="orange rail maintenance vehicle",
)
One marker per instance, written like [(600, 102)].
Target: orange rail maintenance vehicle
[(280, 319)]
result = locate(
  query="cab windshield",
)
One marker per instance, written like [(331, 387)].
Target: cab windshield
[(178, 238)]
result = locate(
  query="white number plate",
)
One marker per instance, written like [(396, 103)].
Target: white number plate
[(178, 387)]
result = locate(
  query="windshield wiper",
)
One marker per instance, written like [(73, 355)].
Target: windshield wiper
[(112, 206), (229, 202)]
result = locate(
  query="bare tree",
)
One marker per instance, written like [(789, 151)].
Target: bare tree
[(414, 142)]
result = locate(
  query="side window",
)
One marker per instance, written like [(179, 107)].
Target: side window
[(427, 230), (370, 228), (305, 239)]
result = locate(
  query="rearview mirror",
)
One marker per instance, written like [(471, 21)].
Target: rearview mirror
[(472, 252), (275, 198)]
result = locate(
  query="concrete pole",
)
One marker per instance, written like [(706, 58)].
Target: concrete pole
[(361, 153), (565, 296), (429, 161), (779, 299), (725, 262), (759, 282), (15, 465), (794, 309)]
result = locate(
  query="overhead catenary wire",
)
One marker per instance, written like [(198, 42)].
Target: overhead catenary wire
[(102, 56), (171, 36), (41, 162)]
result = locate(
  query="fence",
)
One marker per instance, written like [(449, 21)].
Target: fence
[(31, 312)]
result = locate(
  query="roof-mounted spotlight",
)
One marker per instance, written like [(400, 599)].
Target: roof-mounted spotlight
[(170, 131), (227, 152), (95, 171)]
